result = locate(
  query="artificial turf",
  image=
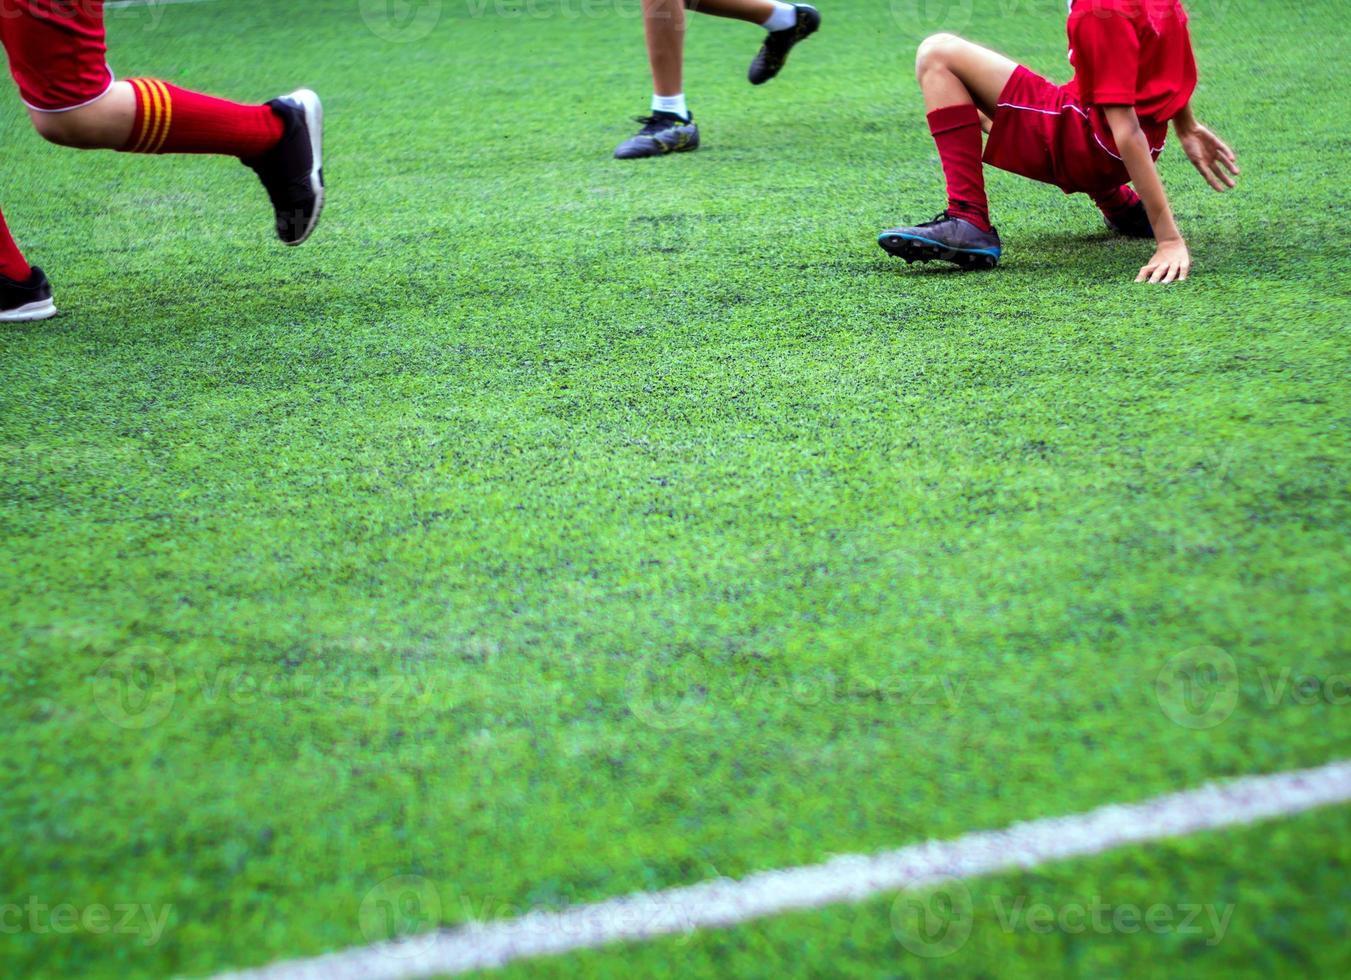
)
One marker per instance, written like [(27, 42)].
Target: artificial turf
[(551, 527)]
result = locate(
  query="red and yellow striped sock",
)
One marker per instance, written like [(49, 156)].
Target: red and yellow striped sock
[(12, 263), (170, 119)]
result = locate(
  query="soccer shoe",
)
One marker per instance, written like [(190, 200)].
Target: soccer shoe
[(946, 237), (293, 170), (28, 300), (662, 133), (1132, 222), (773, 54)]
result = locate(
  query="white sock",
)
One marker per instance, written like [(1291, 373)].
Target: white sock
[(784, 17), (671, 103)]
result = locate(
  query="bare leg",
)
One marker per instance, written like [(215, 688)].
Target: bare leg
[(751, 11), (664, 24), (954, 71), (102, 125)]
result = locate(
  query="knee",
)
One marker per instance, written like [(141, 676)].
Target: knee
[(934, 52), (64, 129)]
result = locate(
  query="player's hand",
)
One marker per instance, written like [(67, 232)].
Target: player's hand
[(1211, 156), (1171, 263)]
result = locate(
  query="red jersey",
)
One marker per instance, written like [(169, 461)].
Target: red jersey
[(1132, 52)]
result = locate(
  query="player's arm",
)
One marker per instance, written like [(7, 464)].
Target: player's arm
[(1171, 261), (1208, 153)]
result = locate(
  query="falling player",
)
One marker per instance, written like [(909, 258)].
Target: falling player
[(1098, 135)]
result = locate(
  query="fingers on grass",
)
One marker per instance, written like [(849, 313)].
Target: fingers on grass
[(1164, 273)]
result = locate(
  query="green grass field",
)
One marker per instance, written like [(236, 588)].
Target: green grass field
[(552, 528)]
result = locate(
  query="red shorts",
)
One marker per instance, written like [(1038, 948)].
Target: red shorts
[(56, 51), (1041, 131)]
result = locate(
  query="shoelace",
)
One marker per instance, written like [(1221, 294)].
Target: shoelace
[(655, 124), (938, 219)]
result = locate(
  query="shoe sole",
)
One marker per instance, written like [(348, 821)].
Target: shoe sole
[(41, 310), (314, 125), (812, 30), (665, 151), (916, 249)]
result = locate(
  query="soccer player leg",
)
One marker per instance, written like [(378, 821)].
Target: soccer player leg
[(58, 56), (785, 24), (25, 293), (669, 128), (960, 81), (1123, 211), (281, 140)]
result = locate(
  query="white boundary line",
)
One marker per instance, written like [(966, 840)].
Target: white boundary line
[(843, 879)]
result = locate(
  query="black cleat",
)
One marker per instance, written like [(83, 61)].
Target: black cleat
[(1132, 222), (31, 299), (293, 170), (773, 54), (662, 133), (948, 238)]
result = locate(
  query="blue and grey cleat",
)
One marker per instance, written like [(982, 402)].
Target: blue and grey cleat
[(948, 238), (662, 133)]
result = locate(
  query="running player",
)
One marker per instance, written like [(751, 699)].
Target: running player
[(57, 55)]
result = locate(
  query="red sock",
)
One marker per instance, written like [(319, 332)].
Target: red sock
[(12, 263), (173, 120), (1114, 202), (956, 131)]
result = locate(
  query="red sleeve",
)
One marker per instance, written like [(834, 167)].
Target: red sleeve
[(1106, 56)]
